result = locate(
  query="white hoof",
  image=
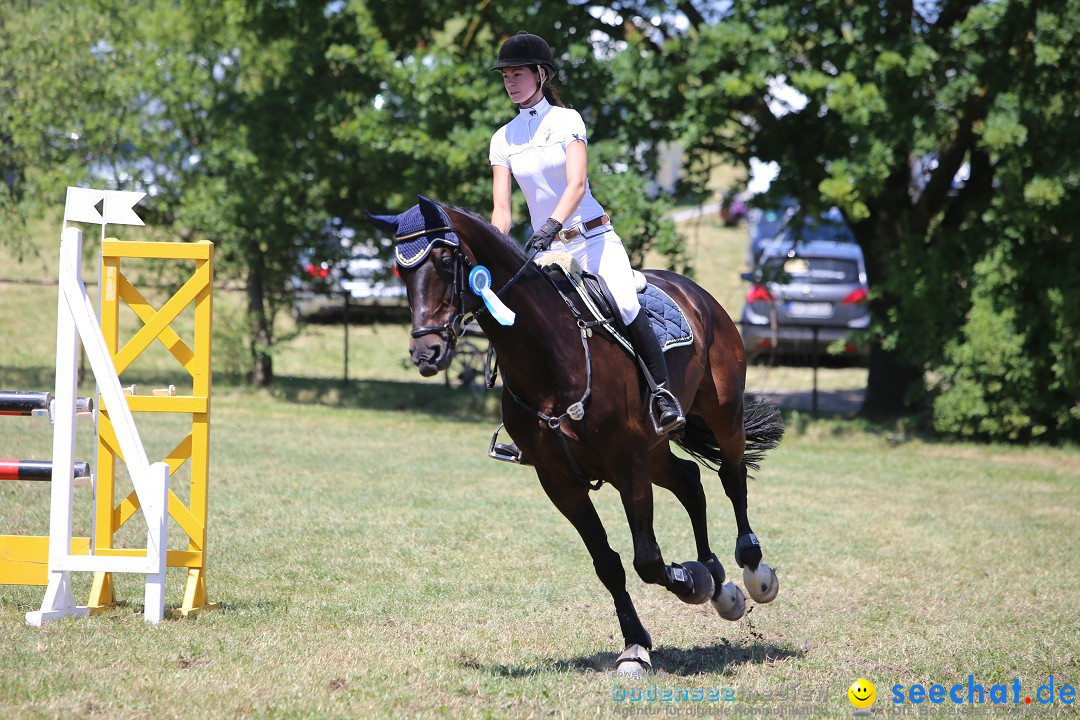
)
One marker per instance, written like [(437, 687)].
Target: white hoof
[(762, 584), (730, 604), (634, 662)]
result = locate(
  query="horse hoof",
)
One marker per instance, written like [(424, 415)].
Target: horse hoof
[(702, 581), (730, 603), (761, 583), (634, 662)]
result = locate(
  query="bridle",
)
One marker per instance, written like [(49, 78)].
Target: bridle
[(454, 328), (451, 331)]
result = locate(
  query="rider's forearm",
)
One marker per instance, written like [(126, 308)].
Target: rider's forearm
[(501, 220), (569, 202)]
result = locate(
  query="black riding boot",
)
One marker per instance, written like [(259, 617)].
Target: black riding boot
[(669, 415)]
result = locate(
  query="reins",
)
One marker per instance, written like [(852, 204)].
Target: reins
[(452, 331)]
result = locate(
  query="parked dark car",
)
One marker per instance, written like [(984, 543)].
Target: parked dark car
[(804, 297), (765, 225)]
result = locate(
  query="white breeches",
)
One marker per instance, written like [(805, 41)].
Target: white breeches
[(603, 254)]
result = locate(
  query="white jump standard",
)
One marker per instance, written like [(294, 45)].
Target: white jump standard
[(76, 321)]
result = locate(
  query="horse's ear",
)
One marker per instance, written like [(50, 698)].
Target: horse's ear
[(388, 223), (427, 204), (432, 212)]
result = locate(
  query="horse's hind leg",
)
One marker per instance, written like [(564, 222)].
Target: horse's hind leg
[(683, 478), (576, 506)]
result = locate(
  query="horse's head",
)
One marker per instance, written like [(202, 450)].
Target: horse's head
[(434, 269)]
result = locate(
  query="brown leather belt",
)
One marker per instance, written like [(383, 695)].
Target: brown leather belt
[(571, 233)]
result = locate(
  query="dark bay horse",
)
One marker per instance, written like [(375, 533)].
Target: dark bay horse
[(554, 368)]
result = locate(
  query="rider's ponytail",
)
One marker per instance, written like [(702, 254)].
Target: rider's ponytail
[(550, 92), (552, 96)]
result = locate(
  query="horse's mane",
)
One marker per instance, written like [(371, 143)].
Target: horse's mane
[(513, 247)]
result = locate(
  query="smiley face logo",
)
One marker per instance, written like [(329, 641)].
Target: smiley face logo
[(862, 693)]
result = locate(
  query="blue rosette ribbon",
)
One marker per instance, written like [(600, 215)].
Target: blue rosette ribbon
[(480, 283)]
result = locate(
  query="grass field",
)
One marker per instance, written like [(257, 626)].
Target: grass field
[(372, 562)]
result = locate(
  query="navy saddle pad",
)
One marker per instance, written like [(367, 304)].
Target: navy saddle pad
[(667, 318)]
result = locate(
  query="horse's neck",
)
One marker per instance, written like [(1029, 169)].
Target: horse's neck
[(542, 348)]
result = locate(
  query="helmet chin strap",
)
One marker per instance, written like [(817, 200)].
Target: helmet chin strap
[(542, 72)]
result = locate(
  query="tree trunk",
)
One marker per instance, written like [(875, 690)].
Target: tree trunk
[(262, 362), (887, 385), (889, 378)]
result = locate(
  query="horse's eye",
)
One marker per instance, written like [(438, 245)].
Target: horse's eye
[(445, 265)]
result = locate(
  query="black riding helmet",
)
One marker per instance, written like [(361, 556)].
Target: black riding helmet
[(525, 49)]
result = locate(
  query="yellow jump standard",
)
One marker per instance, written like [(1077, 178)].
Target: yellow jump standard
[(193, 449)]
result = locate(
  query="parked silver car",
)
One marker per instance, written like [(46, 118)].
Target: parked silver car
[(804, 297), (371, 284), (784, 225)]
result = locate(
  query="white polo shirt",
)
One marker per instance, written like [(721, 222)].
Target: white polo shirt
[(533, 145)]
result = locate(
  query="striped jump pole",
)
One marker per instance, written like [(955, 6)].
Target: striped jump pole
[(40, 470), (22, 402)]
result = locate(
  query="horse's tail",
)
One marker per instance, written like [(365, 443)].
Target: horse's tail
[(764, 429)]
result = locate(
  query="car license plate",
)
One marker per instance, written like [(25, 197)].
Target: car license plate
[(810, 309)]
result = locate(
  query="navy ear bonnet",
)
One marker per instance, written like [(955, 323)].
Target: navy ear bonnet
[(417, 230)]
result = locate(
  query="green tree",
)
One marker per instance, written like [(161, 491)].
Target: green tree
[(439, 104), (204, 106), (946, 132)]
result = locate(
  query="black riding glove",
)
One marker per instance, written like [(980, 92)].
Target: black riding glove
[(542, 238)]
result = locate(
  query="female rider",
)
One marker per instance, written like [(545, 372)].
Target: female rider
[(544, 148)]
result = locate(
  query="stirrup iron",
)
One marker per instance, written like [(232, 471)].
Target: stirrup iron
[(507, 452), (675, 425)]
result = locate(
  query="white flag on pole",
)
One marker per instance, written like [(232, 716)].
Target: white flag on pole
[(81, 205), (118, 207)]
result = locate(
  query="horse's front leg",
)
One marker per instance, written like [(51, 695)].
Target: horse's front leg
[(692, 582), (574, 503)]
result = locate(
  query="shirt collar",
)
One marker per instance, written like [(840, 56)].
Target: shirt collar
[(540, 109)]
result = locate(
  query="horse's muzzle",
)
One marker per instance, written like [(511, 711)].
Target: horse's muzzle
[(430, 354)]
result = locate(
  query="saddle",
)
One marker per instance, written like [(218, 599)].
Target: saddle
[(666, 317), (591, 292)]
